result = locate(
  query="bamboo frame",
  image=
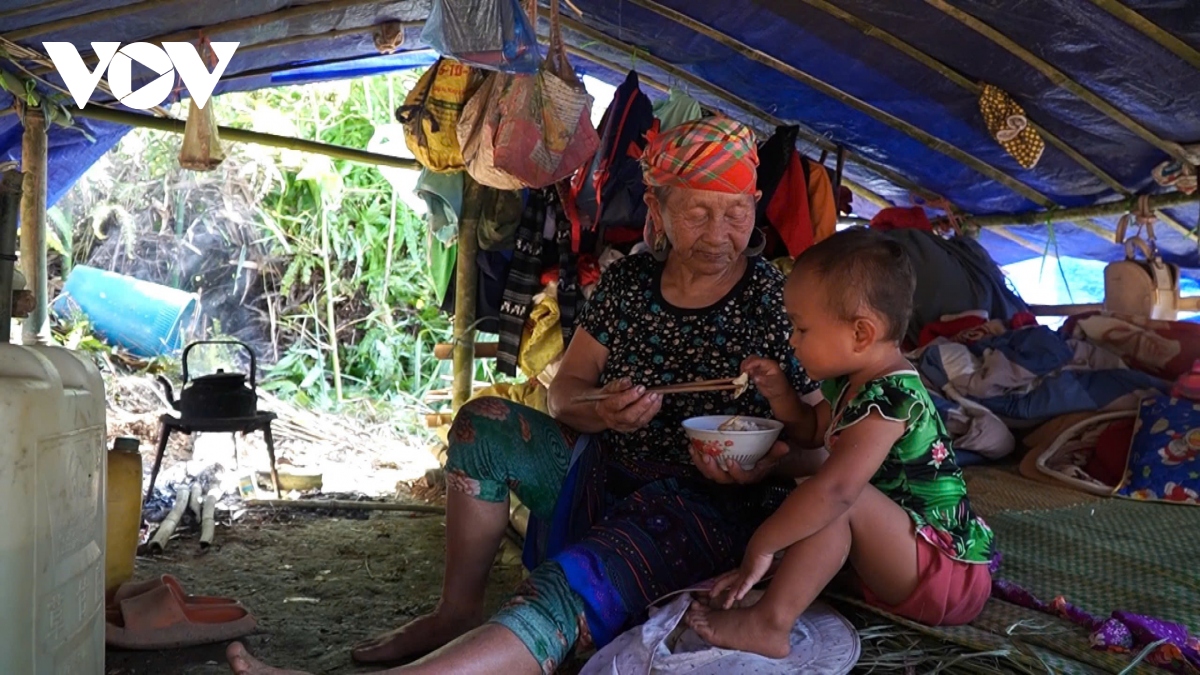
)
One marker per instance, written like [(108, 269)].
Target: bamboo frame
[(870, 30), (54, 4), (1151, 30), (245, 136), (1017, 239), (84, 19), (1115, 208), (847, 99), (465, 286), (753, 110), (35, 165), (1059, 78), (230, 26)]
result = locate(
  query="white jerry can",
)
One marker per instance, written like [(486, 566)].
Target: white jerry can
[(52, 505)]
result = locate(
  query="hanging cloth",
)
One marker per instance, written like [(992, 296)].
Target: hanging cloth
[(443, 197), (676, 109), (788, 212), (524, 282), (822, 204), (441, 266), (1006, 120), (570, 294)]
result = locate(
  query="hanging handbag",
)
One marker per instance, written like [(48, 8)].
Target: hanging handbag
[(431, 112), (477, 132), (545, 132), (1146, 288)]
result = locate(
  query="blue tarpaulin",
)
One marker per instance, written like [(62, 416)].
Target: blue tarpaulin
[(1152, 92)]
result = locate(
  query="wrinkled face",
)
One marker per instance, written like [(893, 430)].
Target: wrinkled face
[(823, 341), (707, 230)]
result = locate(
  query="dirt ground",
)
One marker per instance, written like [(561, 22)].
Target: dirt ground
[(317, 584)]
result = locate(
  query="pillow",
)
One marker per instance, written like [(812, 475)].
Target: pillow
[(1164, 457)]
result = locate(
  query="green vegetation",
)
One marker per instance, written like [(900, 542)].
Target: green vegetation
[(313, 261)]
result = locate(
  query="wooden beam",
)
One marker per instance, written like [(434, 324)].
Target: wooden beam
[(246, 136), (933, 142), (1151, 30), (35, 165), (312, 37), (961, 80), (1059, 78), (754, 111), (1115, 208), (483, 350)]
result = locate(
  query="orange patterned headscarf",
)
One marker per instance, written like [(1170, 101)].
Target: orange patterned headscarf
[(713, 153)]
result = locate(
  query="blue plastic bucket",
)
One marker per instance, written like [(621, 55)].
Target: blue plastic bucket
[(145, 318)]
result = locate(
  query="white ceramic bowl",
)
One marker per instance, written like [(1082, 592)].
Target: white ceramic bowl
[(743, 447)]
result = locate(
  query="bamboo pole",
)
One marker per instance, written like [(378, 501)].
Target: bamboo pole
[(167, 527), (1106, 209), (246, 136), (1017, 239), (751, 109), (1151, 30), (483, 350), (465, 282), (870, 30), (86, 19), (1059, 78), (909, 129), (208, 520), (35, 164), (10, 213), (246, 23), (54, 4)]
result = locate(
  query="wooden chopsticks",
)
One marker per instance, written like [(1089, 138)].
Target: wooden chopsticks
[(725, 384)]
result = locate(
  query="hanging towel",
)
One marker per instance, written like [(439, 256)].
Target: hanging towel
[(676, 109), (443, 195)]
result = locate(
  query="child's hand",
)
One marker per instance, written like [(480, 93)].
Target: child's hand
[(768, 378), (737, 584)]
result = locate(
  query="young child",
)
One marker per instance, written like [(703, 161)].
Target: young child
[(889, 498)]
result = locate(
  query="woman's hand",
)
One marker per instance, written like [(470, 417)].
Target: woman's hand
[(732, 472), (630, 408), (768, 378), (737, 583)]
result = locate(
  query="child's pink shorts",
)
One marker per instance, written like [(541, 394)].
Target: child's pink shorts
[(950, 592)]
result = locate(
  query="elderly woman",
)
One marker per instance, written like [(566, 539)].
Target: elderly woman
[(628, 510)]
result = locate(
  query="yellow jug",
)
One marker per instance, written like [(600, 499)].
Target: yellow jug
[(124, 511)]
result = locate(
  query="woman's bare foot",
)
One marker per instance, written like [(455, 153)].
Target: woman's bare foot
[(243, 664), (416, 638), (745, 629)]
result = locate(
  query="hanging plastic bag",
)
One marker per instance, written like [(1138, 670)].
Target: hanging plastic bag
[(545, 132), (477, 132), (490, 34), (201, 149), (431, 112)]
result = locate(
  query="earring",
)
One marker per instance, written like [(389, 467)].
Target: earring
[(662, 246)]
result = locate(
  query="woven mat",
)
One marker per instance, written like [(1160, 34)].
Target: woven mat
[(998, 489), (1101, 554)]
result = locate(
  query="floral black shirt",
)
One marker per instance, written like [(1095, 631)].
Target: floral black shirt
[(655, 343)]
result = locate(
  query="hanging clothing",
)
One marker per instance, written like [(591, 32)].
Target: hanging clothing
[(441, 266), (491, 276), (788, 212), (493, 213), (443, 196), (570, 291), (797, 208), (822, 203), (524, 281), (676, 109)]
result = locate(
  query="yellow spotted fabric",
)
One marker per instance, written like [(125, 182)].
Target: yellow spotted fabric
[(1008, 124)]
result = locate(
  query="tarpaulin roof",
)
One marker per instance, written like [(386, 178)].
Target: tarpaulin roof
[(1113, 86)]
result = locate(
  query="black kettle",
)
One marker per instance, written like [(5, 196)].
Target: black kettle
[(220, 396)]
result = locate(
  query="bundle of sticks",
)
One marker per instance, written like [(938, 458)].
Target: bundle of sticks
[(738, 385)]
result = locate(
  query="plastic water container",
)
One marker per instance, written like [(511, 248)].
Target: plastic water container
[(124, 512), (146, 318), (52, 495)]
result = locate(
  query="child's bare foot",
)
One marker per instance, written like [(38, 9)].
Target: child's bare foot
[(417, 637), (745, 629), (243, 664)]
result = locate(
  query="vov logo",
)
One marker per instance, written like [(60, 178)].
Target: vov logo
[(118, 61)]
